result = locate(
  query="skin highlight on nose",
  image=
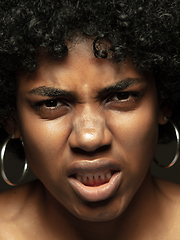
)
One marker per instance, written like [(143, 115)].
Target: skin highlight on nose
[(89, 139), (89, 130), (89, 136)]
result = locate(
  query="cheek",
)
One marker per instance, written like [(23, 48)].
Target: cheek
[(135, 139), (45, 143), (47, 152), (135, 136), (139, 134)]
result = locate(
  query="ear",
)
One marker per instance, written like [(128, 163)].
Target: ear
[(165, 110), (12, 127)]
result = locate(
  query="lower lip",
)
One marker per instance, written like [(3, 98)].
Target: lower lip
[(99, 193)]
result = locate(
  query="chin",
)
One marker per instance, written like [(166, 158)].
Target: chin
[(100, 216), (101, 211)]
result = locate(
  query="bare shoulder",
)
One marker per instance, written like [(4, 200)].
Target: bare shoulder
[(169, 190), (15, 198), (168, 208), (15, 205)]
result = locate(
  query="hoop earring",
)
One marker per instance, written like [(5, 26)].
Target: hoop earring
[(177, 147), (3, 174)]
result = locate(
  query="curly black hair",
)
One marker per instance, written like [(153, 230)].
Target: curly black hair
[(148, 31)]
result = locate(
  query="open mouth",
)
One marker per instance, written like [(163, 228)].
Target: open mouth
[(94, 179)]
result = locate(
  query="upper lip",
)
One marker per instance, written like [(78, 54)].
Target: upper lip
[(92, 166)]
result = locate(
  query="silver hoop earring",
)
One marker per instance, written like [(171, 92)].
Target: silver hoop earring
[(177, 147), (3, 174)]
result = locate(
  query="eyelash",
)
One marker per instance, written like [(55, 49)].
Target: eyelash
[(50, 104), (51, 108), (125, 96), (56, 107)]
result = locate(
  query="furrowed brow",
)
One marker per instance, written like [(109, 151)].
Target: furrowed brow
[(52, 92), (120, 86)]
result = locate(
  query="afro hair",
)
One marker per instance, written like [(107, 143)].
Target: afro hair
[(147, 31)]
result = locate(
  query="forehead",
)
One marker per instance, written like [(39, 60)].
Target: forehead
[(79, 68)]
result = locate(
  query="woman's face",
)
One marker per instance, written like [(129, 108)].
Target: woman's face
[(89, 128)]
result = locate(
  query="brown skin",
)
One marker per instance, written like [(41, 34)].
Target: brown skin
[(76, 131)]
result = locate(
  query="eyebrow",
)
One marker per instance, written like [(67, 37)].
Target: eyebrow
[(120, 86), (56, 92), (53, 92)]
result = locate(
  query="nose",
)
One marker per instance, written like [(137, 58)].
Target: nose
[(89, 130)]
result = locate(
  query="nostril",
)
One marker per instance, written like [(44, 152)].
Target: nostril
[(81, 151)]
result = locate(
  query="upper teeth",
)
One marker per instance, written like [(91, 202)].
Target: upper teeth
[(84, 177)]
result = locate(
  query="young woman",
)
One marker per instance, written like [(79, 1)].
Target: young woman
[(89, 88)]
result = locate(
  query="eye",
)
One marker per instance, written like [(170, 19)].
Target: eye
[(121, 96), (51, 108), (125, 101), (52, 103)]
